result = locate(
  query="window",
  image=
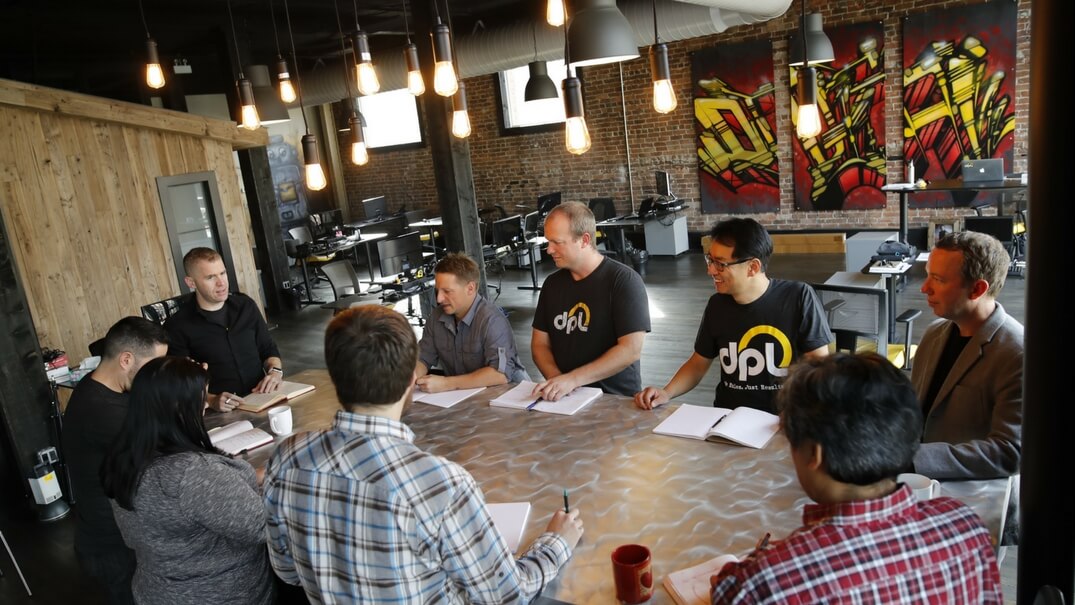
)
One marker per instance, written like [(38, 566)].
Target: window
[(194, 218), (391, 119), (519, 113)]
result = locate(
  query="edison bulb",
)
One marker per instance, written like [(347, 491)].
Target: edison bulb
[(578, 136), (287, 91), (415, 83), (315, 177), (359, 155), (366, 75), (808, 123), (251, 120), (664, 96), (444, 82), (154, 75), (461, 124), (554, 13)]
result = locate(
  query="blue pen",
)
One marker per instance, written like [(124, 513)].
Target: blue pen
[(536, 401)]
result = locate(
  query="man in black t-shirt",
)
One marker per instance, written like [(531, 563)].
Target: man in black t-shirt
[(91, 421), (592, 315), (755, 326)]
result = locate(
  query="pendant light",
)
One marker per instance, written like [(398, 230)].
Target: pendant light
[(554, 13), (415, 82), (808, 119), (315, 175), (664, 95), (444, 81), (817, 44), (249, 110), (540, 85), (600, 34), (365, 74), (287, 89), (271, 109), (576, 135), (460, 117), (359, 154), (154, 73)]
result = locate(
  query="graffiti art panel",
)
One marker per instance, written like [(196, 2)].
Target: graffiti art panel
[(843, 168), (958, 93), (735, 125)]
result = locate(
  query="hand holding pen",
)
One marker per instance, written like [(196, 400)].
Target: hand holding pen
[(567, 524)]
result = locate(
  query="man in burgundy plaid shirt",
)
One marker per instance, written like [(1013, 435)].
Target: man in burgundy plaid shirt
[(854, 423)]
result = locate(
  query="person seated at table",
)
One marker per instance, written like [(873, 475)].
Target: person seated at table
[(226, 331), (467, 337), (91, 421), (968, 372), (592, 315), (193, 516), (756, 325), (852, 423), (360, 513)]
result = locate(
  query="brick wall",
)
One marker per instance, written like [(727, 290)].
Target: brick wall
[(515, 169)]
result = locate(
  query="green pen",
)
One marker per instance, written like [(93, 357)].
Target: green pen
[(566, 508)]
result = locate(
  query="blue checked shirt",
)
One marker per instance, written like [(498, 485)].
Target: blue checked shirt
[(359, 514)]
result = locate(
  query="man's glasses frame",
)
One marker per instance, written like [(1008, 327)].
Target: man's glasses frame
[(723, 266)]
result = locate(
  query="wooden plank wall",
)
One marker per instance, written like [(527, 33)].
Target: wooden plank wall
[(79, 196)]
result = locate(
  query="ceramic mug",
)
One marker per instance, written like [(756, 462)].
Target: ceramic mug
[(923, 487), (280, 420), (632, 573)]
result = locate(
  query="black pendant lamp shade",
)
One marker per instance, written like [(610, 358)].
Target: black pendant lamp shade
[(818, 45), (270, 108), (540, 85), (599, 33)]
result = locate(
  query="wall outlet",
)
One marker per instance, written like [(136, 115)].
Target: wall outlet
[(286, 284)]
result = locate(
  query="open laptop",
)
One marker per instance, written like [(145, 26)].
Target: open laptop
[(979, 172)]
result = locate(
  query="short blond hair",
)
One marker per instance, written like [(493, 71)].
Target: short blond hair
[(580, 218)]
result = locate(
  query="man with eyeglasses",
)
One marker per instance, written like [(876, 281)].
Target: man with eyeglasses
[(755, 325)]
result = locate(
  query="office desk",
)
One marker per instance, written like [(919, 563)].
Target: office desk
[(891, 283), (432, 224), (954, 186), (666, 232), (534, 244), (687, 500)]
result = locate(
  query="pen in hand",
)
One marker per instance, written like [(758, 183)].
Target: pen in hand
[(567, 509), (764, 542)]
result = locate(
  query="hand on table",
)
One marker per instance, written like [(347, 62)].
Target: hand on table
[(556, 388), (224, 402), (567, 525), (651, 397), (270, 383), (432, 383)]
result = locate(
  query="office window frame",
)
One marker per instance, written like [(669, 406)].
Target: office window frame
[(499, 84), (419, 118), (216, 221)]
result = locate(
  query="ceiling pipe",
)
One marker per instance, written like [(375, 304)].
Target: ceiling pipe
[(493, 50)]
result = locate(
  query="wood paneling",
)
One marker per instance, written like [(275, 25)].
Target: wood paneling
[(78, 192)]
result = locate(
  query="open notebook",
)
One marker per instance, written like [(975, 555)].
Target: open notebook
[(520, 398), (238, 437), (255, 402), (743, 426), (510, 518), (691, 586)]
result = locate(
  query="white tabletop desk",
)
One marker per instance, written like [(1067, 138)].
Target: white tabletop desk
[(687, 500), (432, 224)]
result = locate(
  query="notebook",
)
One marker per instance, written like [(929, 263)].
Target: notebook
[(445, 399), (691, 586), (742, 426), (238, 437), (983, 171), (255, 402), (510, 518), (520, 398)]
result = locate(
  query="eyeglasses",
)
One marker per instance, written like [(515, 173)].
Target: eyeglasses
[(723, 266)]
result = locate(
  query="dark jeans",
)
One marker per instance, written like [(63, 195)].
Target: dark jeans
[(113, 570)]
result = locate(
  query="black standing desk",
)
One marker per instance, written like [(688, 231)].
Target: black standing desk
[(953, 186)]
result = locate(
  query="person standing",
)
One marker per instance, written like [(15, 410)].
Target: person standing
[(91, 421), (592, 315)]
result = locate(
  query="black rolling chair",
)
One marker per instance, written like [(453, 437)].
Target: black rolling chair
[(162, 309)]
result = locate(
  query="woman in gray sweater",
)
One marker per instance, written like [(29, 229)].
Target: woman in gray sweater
[(193, 516)]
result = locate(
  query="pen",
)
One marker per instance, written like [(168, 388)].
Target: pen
[(764, 542), (566, 508), (535, 402)]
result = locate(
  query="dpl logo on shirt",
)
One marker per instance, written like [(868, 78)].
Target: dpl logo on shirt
[(578, 318), (745, 361)]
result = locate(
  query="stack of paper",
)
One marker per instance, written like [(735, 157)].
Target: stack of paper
[(445, 399), (521, 398), (691, 586), (510, 518)]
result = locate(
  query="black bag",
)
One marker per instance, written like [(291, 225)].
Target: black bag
[(892, 250)]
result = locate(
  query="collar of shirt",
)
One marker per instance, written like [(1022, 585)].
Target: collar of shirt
[(450, 321), (372, 425), (860, 512), (229, 303)]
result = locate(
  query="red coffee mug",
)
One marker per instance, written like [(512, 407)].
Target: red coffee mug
[(632, 573)]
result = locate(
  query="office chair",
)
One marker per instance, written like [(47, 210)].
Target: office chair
[(858, 318), (301, 235), (162, 309), (603, 208), (343, 279)]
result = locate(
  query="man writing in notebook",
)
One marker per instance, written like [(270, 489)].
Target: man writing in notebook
[(755, 325), (225, 331), (93, 418), (405, 525), (468, 337), (853, 422), (592, 315)]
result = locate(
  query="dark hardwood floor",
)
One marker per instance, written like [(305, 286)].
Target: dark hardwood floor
[(678, 289)]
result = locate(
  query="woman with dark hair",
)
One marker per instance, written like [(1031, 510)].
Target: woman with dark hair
[(193, 516)]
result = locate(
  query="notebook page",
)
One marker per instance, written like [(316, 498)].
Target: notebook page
[(692, 421), (748, 426), (446, 399), (510, 518)]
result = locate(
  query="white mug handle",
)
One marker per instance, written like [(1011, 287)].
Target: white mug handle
[(272, 423), (934, 488)]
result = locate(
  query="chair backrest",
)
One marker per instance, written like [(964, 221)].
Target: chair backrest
[(532, 224), (162, 309), (301, 234), (415, 216), (603, 208), (508, 231), (342, 277), (854, 312)]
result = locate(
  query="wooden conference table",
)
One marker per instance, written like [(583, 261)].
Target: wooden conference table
[(687, 500)]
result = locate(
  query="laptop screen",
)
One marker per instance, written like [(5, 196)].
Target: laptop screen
[(978, 171)]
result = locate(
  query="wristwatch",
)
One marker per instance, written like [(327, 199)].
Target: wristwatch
[(279, 371)]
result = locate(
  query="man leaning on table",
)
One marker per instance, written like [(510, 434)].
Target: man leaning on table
[(358, 513), (468, 337), (592, 315), (968, 372), (853, 422), (755, 326), (225, 331)]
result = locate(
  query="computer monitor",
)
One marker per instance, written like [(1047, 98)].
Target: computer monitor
[(400, 254), (1000, 227), (507, 231), (664, 185), (375, 207), (547, 202), (326, 224)]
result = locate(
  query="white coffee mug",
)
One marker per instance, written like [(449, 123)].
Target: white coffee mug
[(923, 487), (280, 420)]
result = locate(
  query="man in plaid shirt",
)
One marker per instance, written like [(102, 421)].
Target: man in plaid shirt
[(359, 514), (854, 423)]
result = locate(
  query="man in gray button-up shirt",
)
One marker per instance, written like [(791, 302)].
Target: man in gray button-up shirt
[(468, 337)]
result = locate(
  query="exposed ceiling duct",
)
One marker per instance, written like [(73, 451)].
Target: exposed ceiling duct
[(491, 51)]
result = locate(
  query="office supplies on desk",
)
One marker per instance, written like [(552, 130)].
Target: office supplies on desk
[(238, 437), (889, 266), (742, 426), (690, 586), (445, 399), (520, 398), (255, 402), (510, 518)]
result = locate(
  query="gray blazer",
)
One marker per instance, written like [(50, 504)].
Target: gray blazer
[(974, 429)]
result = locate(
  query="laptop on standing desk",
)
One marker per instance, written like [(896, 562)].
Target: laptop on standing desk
[(983, 173)]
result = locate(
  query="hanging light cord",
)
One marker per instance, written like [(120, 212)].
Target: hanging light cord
[(234, 39), (275, 34), (295, 61), (802, 32), (343, 52), (355, 2), (567, 55), (406, 25), (144, 23), (656, 36), (451, 38), (533, 33)]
